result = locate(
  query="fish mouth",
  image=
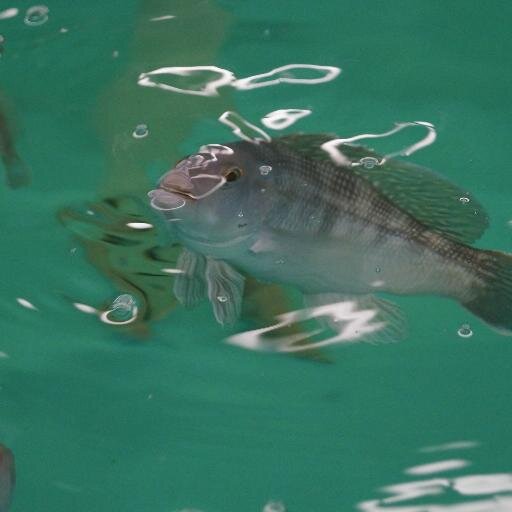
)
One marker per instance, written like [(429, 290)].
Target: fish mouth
[(178, 192), (192, 186), (167, 200)]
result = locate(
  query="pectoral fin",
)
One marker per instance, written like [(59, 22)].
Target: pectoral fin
[(190, 283), (225, 291)]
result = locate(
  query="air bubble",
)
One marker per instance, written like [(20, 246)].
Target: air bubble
[(265, 170), (123, 310), (222, 298), (141, 131), (280, 261), (464, 200), (36, 15), (274, 506), (369, 162), (465, 331)]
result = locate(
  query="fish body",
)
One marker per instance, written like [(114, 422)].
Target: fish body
[(7, 477), (282, 214)]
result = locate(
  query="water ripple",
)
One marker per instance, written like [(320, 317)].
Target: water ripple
[(196, 81)]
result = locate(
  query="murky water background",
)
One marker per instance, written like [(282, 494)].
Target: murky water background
[(161, 414)]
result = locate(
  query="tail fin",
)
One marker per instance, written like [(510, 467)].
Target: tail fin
[(492, 301)]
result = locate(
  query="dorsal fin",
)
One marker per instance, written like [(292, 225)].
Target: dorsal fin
[(424, 194)]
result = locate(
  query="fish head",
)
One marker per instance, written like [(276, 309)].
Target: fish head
[(213, 195)]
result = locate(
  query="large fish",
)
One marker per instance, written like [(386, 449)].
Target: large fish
[(284, 212)]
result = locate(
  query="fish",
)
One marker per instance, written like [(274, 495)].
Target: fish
[(7, 477), (17, 172), (283, 211)]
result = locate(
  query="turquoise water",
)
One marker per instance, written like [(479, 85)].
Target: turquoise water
[(161, 414)]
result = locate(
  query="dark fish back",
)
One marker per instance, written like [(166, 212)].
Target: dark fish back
[(314, 195)]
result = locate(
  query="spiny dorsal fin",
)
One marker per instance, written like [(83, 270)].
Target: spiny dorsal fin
[(424, 194)]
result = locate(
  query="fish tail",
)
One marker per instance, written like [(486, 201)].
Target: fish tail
[(18, 172), (492, 290)]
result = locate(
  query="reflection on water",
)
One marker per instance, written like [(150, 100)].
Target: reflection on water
[(284, 118), (331, 147), (467, 493), (242, 128), (206, 80), (349, 322)]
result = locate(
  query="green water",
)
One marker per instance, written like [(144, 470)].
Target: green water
[(99, 420)]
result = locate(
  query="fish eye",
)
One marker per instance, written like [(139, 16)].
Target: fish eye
[(232, 174)]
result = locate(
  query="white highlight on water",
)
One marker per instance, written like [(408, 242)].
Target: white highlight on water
[(438, 467), (163, 18), (337, 156), (224, 77), (455, 445), (139, 225), (25, 303), (241, 127), (9, 13), (283, 74), (354, 324), (85, 308), (283, 118), (274, 506)]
